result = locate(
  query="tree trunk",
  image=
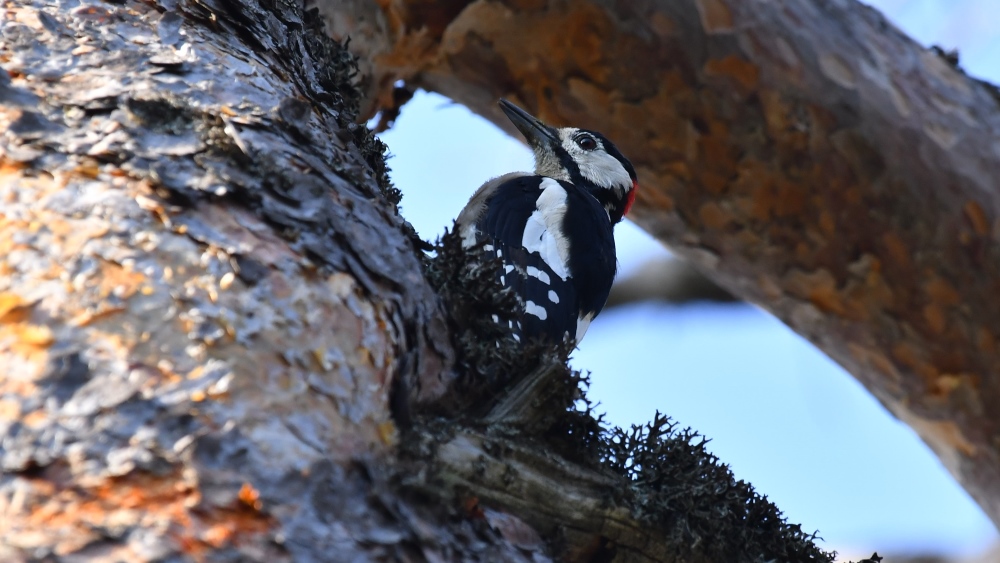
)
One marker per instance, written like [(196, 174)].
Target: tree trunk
[(205, 297), (806, 155), (218, 341)]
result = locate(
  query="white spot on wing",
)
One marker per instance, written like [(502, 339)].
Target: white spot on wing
[(508, 268), (532, 309), (540, 275), (553, 296)]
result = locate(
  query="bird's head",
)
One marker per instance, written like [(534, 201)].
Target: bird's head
[(579, 156)]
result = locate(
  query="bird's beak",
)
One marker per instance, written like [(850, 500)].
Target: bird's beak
[(535, 132)]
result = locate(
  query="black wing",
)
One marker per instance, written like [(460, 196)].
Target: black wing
[(551, 304)]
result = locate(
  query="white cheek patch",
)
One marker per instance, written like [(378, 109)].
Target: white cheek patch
[(541, 231), (604, 170), (597, 166)]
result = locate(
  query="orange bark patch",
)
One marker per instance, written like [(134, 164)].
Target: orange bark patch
[(712, 183), (250, 496), (896, 252), (942, 292), (977, 217), (655, 199), (39, 336), (742, 72), (827, 223), (138, 500), (907, 355), (819, 287), (875, 359), (717, 155), (985, 340), (714, 217), (13, 309), (936, 319), (10, 410), (943, 435), (948, 382), (715, 16), (118, 280), (883, 364)]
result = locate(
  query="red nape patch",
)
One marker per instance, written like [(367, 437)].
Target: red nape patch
[(631, 197)]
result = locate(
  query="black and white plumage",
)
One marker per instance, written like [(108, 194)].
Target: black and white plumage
[(553, 229)]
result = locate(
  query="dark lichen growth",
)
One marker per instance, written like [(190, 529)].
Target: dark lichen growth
[(493, 366), (323, 70), (487, 355), (374, 152), (337, 75), (677, 484), (950, 56), (162, 113), (528, 392)]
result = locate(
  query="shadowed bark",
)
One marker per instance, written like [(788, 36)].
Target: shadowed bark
[(806, 155)]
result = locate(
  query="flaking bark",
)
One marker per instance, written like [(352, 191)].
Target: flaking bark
[(206, 296), (806, 155)]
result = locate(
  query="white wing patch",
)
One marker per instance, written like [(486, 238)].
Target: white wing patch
[(531, 308), (540, 233), (553, 296)]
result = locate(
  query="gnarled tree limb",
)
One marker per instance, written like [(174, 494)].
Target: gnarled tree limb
[(806, 154)]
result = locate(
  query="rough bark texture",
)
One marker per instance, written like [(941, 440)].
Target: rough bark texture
[(805, 154), (204, 297), (218, 342)]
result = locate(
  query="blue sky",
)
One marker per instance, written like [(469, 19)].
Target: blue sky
[(784, 417)]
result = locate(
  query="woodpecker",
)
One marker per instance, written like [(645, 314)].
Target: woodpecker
[(553, 230)]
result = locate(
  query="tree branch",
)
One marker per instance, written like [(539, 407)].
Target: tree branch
[(806, 155), (670, 280)]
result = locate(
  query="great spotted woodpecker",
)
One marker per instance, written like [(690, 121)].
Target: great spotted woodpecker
[(553, 229)]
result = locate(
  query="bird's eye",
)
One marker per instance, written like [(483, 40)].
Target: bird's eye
[(586, 142)]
